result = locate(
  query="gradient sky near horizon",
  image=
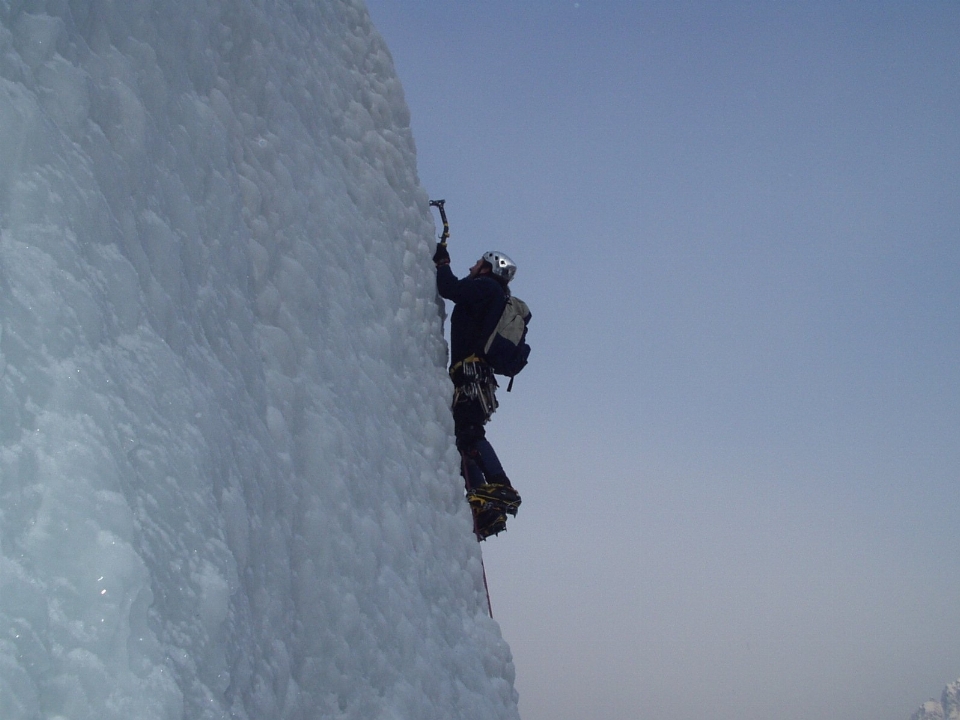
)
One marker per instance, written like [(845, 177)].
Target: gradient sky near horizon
[(738, 227)]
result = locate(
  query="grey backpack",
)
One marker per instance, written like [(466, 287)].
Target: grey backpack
[(506, 350)]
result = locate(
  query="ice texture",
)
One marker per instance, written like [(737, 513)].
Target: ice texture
[(228, 484)]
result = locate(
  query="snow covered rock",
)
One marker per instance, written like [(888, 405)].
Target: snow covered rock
[(951, 701), (947, 709), (930, 710)]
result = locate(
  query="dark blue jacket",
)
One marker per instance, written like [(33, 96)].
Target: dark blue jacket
[(478, 305)]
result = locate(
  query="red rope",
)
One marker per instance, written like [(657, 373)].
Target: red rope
[(483, 569), (485, 587)]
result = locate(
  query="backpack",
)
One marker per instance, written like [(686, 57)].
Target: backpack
[(506, 349)]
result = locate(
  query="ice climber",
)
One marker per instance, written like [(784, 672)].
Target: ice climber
[(479, 301)]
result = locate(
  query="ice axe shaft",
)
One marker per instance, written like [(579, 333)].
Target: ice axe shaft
[(443, 216)]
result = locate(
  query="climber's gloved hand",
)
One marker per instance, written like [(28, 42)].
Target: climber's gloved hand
[(441, 256)]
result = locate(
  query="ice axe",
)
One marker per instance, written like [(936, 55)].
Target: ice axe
[(443, 216)]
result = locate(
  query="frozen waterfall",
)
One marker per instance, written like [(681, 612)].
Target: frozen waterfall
[(228, 485)]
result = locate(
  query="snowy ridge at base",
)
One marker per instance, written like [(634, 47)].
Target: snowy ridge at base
[(228, 487)]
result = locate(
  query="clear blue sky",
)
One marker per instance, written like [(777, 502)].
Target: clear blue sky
[(738, 441)]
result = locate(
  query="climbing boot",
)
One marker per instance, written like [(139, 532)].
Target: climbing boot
[(488, 521), (503, 497)]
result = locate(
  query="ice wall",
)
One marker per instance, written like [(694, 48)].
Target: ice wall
[(228, 487)]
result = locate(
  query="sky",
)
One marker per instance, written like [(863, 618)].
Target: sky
[(738, 438)]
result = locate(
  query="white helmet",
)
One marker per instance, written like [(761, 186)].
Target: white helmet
[(503, 267)]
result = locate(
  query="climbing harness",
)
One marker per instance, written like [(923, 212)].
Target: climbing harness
[(474, 380)]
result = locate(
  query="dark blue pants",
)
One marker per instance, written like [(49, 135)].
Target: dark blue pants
[(480, 462)]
